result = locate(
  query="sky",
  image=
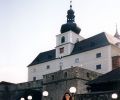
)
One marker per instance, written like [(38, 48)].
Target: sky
[(28, 27)]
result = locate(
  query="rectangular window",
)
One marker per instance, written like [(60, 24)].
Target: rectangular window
[(48, 67), (98, 55), (62, 50), (88, 74), (52, 77), (77, 60), (98, 67), (34, 78), (65, 75)]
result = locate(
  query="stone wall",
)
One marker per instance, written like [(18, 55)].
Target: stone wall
[(10, 91), (56, 84), (60, 82)]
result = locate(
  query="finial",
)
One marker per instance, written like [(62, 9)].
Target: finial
[(70, 4), (117, 34), (116, 29)]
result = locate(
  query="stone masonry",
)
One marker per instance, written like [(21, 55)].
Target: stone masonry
[(10, 91), (59, 82), (56, 84)]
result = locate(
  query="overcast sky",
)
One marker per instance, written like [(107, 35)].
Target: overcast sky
[(28, 27)]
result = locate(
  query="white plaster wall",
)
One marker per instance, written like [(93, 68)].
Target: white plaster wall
[(67, 50), (87, 60), (75, 37), (58, 38), (115, 51), (41, 69), (69, 37)]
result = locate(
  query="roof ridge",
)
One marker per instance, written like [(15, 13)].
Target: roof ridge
[(90, 43)]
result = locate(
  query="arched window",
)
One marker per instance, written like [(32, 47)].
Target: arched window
[(63, 39), (65, 75)]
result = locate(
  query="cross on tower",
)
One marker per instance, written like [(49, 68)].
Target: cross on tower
[(70, 4)]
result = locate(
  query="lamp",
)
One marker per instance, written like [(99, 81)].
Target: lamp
[(72, 91), (29, 97), (22, 98), (45, 94), (114, 96)]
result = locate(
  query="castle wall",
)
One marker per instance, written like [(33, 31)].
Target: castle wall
[(58, 83), (16, 91)]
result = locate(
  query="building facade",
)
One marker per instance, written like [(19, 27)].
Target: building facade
[(96, 53)]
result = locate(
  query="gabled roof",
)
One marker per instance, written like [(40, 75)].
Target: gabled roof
[(111, 76), (44, 57), (94, 42)]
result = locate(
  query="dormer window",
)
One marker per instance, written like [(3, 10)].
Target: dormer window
[(63, 39)]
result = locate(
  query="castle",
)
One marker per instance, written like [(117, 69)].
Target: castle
[(96, 53), (74, 61)]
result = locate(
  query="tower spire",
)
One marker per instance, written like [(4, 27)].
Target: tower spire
[(116, 29), (116, 33), (70, 25), (70, 4), (70, 14)]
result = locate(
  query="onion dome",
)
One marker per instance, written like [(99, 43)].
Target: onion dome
[(70, 25)]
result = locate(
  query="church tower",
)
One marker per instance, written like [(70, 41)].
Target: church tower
[(69, 35)]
